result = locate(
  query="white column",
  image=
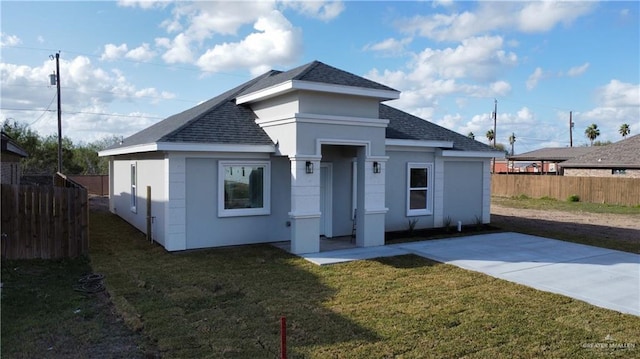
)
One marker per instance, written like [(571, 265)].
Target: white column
[(371, 208), (175, 210), (305, 205)]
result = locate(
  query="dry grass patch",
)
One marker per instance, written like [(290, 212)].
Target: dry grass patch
[(227, 303)]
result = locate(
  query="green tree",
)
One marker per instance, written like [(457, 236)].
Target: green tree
[(490, 136), (625, 130), (592, 132)]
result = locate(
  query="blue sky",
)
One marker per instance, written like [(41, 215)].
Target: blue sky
[(126, 65)]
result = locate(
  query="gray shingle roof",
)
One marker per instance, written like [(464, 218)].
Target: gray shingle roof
[(405, 126), (220, 121), (551, 154), (316, 71), (622, 154)]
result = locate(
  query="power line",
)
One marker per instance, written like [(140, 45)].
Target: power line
[(45, 111), (82, 113)]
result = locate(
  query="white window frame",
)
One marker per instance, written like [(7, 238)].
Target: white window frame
[(133, 174), (428, 210), (266, 190)]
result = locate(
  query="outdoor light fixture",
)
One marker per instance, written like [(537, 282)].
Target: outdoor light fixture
[(376, 167), (309, 167)]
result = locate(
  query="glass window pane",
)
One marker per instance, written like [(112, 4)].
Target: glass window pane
[(418, 199), (418, 177), (243, 187)]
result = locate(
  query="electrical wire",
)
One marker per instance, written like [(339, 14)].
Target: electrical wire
[(84, 113), (45, 111)]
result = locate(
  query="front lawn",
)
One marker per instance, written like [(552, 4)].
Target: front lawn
[(227, 302)]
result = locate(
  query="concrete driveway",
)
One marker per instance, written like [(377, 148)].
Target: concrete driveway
[(599, 276)]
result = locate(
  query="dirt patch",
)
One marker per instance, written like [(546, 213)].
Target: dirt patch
[(619, 227), (98, 203)]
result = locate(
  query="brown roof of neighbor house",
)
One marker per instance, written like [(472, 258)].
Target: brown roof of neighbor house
[(551, 154), (622, 154)]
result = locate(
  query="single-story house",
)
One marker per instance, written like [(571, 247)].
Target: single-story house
[(293, 156), (12, 153), (547, 160), (620, 159)]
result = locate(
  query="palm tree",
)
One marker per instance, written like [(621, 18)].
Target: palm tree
[(624, 130), (471, 135), (512, 140), (592, 132), (490, 135)]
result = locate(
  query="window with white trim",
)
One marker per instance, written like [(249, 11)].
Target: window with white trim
[(419, 185), (134, 192), (244, 188)]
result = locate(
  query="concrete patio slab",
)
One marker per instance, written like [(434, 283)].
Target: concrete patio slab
[(599, 276)]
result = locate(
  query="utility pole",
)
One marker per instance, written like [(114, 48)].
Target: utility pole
[(57, 80), (571, 128), (495, 118)]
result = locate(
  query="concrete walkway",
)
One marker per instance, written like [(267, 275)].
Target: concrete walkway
[(599, 276)]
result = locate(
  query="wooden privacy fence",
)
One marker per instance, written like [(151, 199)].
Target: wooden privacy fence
[(95, 184), (610, 190), (44, 222)]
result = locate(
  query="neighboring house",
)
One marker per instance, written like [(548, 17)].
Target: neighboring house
[(293, 156), (620, 159), (12, 153), (546, 160)]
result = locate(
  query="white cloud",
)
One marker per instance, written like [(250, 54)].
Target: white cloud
[(491, 16), (390, 46), (541, 16), (87, 90), (275, 41), (578, 70), (141, 53), (533, 79), (480, 58), (178, 49), (9, 40), (40, 39), (144, 4), (113, 52), (323, 10), (619, 94)]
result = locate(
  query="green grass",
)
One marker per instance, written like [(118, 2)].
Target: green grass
[(546, 203), (42, 315), (226, 303)]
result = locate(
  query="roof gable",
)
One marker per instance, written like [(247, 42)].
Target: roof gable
[(318, 72)]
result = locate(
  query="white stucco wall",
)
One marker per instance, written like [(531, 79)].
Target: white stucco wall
[(338, 104), (150, 172)]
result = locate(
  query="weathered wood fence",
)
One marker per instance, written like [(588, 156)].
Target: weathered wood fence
[(44, 222), (95, 184), (622, 191)]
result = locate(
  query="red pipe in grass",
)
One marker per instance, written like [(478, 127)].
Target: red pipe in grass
[(283, 338)]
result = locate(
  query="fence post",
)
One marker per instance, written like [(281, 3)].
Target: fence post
[(149, 218)]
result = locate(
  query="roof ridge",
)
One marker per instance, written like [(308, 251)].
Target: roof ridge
[(310, 66)]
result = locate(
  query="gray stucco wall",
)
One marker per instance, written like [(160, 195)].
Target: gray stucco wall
[(463, 191), (396, 189), (203, 226)]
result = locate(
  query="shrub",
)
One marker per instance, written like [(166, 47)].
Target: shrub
[(573, 198)]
